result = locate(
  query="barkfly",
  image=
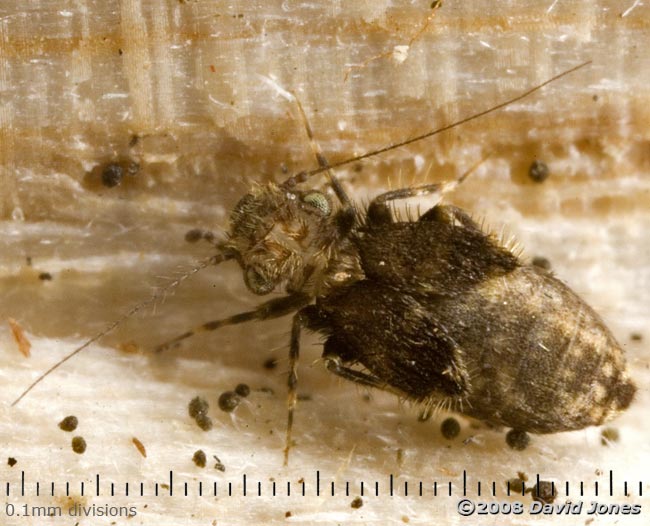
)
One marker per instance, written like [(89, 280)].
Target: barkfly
[(434, 310)]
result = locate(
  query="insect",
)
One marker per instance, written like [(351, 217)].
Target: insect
[(434, 310)]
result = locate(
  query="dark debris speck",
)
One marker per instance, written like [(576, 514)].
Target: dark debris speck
[(198, 406), (517, 440), (199, 458), (544, 492), (516, 485), (69, 423), (609, 435), (541, 262), (243, 390), (538, 171), (112, 175), (79, 445), (192, 236), (450, 428), (228, 401), (270, 364), (218, 465), (204, 422)]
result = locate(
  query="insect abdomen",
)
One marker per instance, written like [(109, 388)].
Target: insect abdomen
[(539, 359)]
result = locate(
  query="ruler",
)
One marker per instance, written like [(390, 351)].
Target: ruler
[(318, 485)]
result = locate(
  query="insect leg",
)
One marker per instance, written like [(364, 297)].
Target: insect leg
[(378, 211), (449, 214), (322, 164), (358, 377), (274, 308), (301, 319)]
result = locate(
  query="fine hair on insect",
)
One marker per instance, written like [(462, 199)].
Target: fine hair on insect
[(465, 325)]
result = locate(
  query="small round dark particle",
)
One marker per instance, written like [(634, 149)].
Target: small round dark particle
[(69, 423), (203, 421), (271, 363), (544, 492), (112, 175), (243, 390), (517, 440), (538, 171), (288, 514), (356, 503), (79, 445), (541, 262), (11, 461), (198, 406), (517, 485), (609, 435), (199, 458), (192, 236), (450, 428), (636, 336), (45, 276), (228, 401)]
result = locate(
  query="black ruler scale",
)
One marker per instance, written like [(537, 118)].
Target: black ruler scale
[(318, 486)]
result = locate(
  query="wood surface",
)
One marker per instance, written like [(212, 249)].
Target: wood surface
[(196, 93)]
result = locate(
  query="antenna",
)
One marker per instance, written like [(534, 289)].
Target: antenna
[(213, 260), (303, 176)]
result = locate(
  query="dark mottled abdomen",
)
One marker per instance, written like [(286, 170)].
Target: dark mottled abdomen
[(538, 358)]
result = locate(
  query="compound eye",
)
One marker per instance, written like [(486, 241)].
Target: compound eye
[(318, 201), (256, 283)]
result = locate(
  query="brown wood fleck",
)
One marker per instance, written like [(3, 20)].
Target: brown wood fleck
[(139, 446), (24, 345)]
